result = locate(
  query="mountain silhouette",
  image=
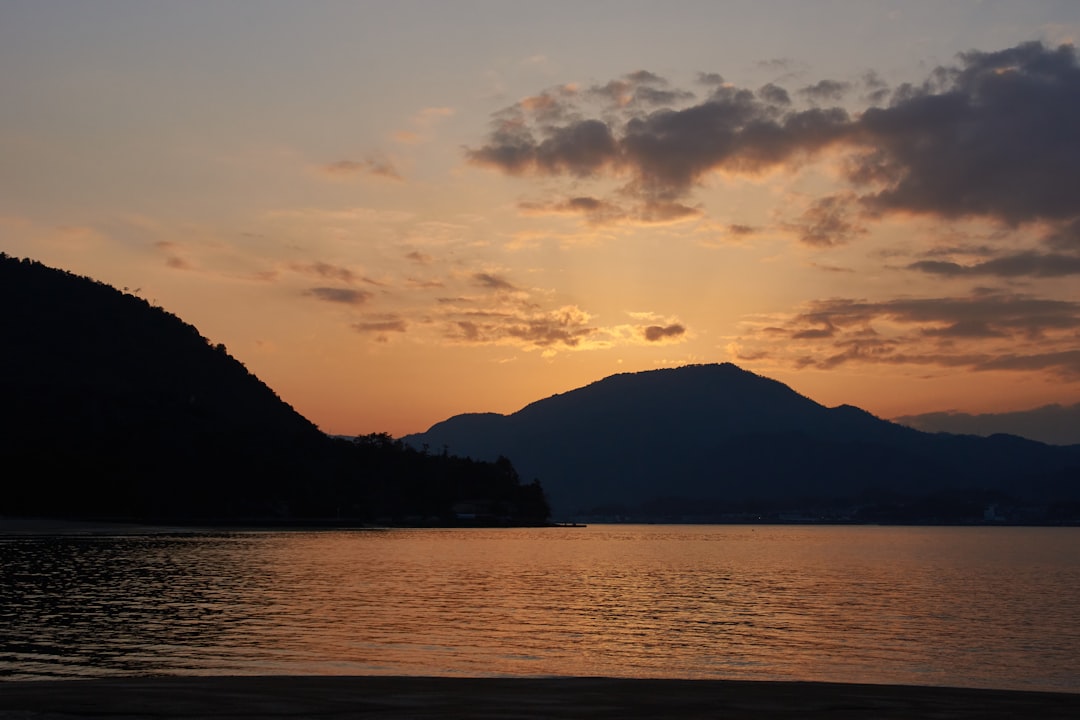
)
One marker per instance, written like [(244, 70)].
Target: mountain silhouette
[(114, 408), (715, 441)]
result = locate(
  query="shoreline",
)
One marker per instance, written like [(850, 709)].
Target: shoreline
[(12, 526), (226, 697)]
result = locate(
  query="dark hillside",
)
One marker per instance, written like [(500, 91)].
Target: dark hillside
[(115, 408)]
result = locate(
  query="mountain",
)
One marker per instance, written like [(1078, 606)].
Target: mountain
[(114, 408), (1051, 424), (715, 441)]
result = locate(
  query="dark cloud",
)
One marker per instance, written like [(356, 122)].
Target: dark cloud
[(1021, 315), (492, 282), (418, 257), (670, 150), (665, 151), (710, 78), (657, 333), (826, 91), (999, 332), (348, 296), (581, 149), (1024, 264), (774, 94), (1066, 236), (997, 137)]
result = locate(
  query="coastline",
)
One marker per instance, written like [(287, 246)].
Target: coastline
[(175, 697)]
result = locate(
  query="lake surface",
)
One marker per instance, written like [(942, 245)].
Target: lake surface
[(972, 607)]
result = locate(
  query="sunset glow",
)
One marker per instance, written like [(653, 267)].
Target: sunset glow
[(397, 212)]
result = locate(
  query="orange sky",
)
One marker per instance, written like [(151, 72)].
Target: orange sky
[(393, 213)]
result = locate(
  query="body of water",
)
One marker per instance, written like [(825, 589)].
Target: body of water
[(974, 607)]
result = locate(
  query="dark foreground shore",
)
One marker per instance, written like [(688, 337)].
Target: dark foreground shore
[(225, 698)]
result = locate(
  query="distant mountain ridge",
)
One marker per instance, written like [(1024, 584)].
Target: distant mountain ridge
[(711, 441), (1052, 424)]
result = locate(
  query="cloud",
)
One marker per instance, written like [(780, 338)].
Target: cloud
[(659, 333), (325, 270), (597, 211), (594, 210), (829, 221), (1029, 264), (567, 326), (774, 94), (640, 89), (986, 330), (997, 136), (993, 136), (351, 168), (347, 296), (876, 90), (381, 326), (489, 281), (741, 230), (826, 91), (663, 152)]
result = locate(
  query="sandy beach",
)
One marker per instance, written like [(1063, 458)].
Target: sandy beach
[(225, 698)]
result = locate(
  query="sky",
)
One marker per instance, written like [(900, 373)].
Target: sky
[(395, 212)]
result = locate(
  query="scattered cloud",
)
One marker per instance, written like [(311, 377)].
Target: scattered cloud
[(594, 210), (489, 281), (326, 271), (597, 211), (343, 169), (382, 325), (999, 331), (829, 221), (640, 89), (566, 327), (346, 296), (826, 91)]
